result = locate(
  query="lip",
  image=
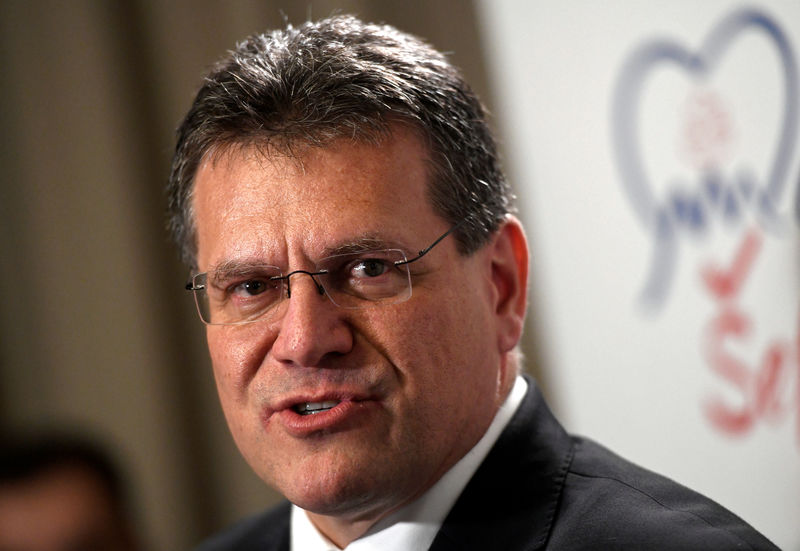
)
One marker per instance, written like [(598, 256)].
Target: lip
[(349, 411)]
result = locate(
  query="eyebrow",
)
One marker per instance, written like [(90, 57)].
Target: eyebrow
[(362, 244), (231, 268)]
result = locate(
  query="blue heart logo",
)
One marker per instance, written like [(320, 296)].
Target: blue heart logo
[(663, 218)]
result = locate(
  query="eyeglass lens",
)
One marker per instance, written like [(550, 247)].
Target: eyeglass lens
[(354, 280)]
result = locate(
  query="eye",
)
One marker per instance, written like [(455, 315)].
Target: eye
[(370, 267), (246, 288), (252, 287)]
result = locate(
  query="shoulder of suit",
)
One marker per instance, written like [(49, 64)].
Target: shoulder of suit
[(611, 501), (265, 531)]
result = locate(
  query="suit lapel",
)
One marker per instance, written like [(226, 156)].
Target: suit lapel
[(511, 500)]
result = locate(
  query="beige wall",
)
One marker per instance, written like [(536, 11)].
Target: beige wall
[(96, 331)]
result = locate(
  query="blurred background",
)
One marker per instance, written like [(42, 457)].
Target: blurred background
[(97, 334)]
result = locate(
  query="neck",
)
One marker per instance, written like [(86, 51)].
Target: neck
[(340, 531)]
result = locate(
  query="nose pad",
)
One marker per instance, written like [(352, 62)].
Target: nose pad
[(312, 275)]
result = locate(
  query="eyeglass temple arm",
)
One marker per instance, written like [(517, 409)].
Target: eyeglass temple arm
[(426, 250)]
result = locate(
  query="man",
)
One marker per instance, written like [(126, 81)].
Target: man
[(337, 192), (60, 493)]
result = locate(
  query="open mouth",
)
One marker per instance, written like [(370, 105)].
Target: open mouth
[(311, 408)]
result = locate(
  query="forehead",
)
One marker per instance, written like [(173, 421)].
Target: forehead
[(249, 202)]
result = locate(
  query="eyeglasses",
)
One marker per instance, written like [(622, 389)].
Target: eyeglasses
[(363, 279)]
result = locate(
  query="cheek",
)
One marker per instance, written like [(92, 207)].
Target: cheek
[(455, 338), (235, 361), (448, 373), (435, 341), (236, 356)]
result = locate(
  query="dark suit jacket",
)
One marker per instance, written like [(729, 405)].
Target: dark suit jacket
[(540, 488)]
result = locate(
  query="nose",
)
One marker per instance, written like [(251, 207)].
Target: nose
[(312, 329)]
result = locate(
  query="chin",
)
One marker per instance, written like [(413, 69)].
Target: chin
[(332, 494)]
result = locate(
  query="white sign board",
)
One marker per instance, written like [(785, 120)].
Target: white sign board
[(654, 147)]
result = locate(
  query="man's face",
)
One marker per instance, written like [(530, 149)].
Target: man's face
[(416, 383)]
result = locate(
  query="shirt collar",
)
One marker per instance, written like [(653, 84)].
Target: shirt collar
[(415, 525)]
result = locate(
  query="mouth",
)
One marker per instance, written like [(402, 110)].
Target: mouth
[(312, 408), (328, 414)]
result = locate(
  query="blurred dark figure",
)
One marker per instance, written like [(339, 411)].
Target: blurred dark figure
[(61, 493)]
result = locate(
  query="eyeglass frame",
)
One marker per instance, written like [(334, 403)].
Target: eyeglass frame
[(190, 286)]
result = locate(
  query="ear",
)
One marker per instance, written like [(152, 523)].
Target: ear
[(509, 277)]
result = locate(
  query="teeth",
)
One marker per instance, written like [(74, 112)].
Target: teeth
[(310, 408)]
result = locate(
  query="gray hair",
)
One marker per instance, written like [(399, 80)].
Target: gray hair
[(336, 78)]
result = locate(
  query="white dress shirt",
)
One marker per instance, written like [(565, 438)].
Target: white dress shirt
[(415, 526)]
